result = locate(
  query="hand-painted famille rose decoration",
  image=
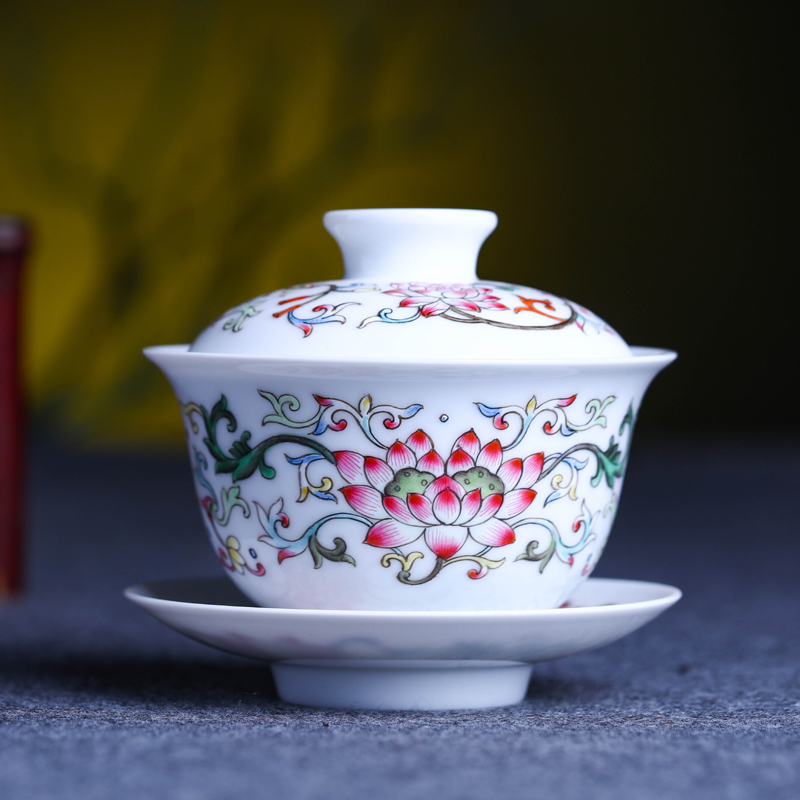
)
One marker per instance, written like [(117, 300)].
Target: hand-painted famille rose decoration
[(457, 302), (409, 437), (412, 502)]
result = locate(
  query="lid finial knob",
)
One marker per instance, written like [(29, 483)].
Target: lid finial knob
[(433, 245)]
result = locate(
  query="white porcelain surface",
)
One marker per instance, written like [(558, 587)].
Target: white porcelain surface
[(396, 660)]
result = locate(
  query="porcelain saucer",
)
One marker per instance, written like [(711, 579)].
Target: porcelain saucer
[(433, 660)]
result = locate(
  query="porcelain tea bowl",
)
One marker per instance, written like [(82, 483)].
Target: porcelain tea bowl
[(409, 438)]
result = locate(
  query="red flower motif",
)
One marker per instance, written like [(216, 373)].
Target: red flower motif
[(414, 492), (433, 299)]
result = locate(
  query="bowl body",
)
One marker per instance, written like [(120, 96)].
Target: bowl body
[(408, 486)]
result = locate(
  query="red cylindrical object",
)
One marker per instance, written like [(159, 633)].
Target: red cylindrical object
[(14, 241)]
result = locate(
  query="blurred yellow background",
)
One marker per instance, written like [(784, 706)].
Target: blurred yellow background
[(175, 158)]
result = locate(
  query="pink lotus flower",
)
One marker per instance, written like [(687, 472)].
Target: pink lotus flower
[(414, 492), (433, 299)]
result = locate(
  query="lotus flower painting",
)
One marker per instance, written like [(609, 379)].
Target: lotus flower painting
[(414, 492)]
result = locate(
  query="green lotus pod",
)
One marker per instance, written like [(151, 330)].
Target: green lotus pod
[(409, 481), (480, 478)]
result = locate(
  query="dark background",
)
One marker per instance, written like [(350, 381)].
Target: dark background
[(176, 158)]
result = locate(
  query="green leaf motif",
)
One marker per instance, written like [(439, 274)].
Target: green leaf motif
[(544, 557), (608, 464), (611, 463), (279, 415), (242, 459), (235, 323), (230, 500), (337, 553)]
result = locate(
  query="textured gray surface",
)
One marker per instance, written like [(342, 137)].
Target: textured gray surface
[(98, 700)]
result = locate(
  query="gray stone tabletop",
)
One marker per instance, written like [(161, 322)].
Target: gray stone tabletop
[(99, 700)]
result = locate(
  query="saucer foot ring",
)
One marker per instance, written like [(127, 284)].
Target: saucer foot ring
[(402, 685)]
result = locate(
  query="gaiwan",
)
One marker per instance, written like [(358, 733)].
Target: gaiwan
[(409, 437)]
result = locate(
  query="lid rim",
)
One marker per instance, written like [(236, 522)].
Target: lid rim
[(639, 354)]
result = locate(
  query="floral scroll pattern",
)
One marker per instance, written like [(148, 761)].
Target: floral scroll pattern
[(417, 502), (310, 305), (415, 493)]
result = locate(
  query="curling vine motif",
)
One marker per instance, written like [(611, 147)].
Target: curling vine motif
[(417, 502), (499, 305)]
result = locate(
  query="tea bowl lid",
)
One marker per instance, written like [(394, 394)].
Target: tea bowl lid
[(410, 293)]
